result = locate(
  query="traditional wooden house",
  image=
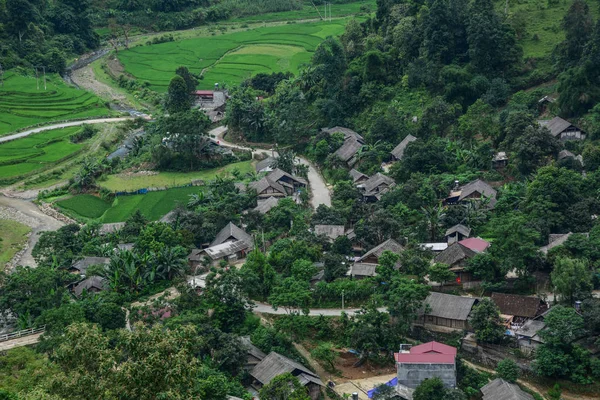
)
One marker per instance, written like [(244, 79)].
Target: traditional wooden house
[(254, 354), (425, 361), (519, 308), (80, 267), (353, 142), (231, 233), (499, 389), (457, 233), (528, 337), (265, 165), (398, 151), (266, 188), (500, 160), (332, 232), (456, 257), (358, 177), (290, 182), (555, 240), (361, 270), (446, 313), (477, 190), (376, 186), (275, 364), (372, 256), (266, 205), (93, 284), (562, 129)]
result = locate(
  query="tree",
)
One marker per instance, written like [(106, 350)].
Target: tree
[(303, 270), (478, 121), (578, 26), (572, 279), (226, 293), (404, 298), (534, 149), (441, 274), (508, 370), (385, 392), (190, 80), (284, 387), (293, 295), (430, 389), (485, 320), (259, 274), (324, 352), (370, 331), (178, 97)]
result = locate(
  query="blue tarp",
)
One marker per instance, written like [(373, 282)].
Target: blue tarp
[(391, 383)]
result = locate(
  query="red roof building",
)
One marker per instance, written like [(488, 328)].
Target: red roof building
[(476, 244), (426, 361), (204, 94), (433, 347)]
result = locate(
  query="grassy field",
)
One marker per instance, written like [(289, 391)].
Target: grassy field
[(22, 104), (14, 236), (230, 58), (153, 205), (121, 182), (37, 152)]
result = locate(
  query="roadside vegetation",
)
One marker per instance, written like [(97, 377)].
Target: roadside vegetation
[(13, 236)]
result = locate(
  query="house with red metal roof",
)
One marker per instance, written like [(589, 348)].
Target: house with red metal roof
[(476, 244), (425, 361)]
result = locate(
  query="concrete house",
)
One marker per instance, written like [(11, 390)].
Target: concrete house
[(275, 364), (476, 190), (499, 389), (425, 361), (398, 151), (446, 312), (562, 129), (457, 233), (376, 186)]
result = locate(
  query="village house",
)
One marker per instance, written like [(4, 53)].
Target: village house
[(478, 245), (265, 165), (558, 239), (353, 142), (476, 190), (435, 248), (361, 270), (499, 389), (425, 361), (527, 335), (376, 186), (456, 257), (231, 233), (562, 129), (398, 151), (290, 182), (457, 233), (331, 232), (358, 177), (372, 256), (106, 229), (93, 284), (275, 364), (500, 160), (230, 244), (516, 309), (254, 354), (446, 313), (80, 267), (206, 95), (266, 205), (265, 188)]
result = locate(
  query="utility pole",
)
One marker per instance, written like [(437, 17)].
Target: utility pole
[(342, 299), (37, 78), (44, 69)]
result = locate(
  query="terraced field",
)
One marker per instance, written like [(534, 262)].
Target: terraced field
[(36, 152), (230, 58), (22, 104)]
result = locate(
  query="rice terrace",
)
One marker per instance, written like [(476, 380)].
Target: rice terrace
[(230, 58)]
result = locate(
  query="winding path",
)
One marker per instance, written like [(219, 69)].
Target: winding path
[(320, 192), (62, 125)]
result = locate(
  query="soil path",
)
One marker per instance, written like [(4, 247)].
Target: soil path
[(86, 79)]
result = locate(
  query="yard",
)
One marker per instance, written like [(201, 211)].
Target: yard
[(134, 181), (230, 58), (24, 102), (13, 236)]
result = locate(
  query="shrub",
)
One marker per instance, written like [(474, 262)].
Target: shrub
[(508, 370)]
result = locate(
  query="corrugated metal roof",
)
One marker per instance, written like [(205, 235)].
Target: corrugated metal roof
[(530, 328), (430, 358), (476, 244), (449, 306), (499, 389), (434, 347), (226, 249), (362, 269), (331, 231)]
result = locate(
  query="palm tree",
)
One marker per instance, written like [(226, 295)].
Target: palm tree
[(170, 263)]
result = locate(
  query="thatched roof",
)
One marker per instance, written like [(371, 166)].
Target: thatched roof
[(357, 175), (265, 183), (455, 253), (93, 282), (275, 364), (362, 269), (388, 245), (232, 233), (514, 304), (331, 231), (499, 389), (463, 230), (398, 151), (349, 149), (265, 164), (449, 306), (477, 186), (557, 125), (82, 265), (264, 206)]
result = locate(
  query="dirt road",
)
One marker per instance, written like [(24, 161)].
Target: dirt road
[(27, 213), (85, 78), (319, 190)]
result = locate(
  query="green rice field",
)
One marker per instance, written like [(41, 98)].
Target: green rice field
[(230, 58), (37, 152), (24, 102), (153, 205), (310, 12)]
